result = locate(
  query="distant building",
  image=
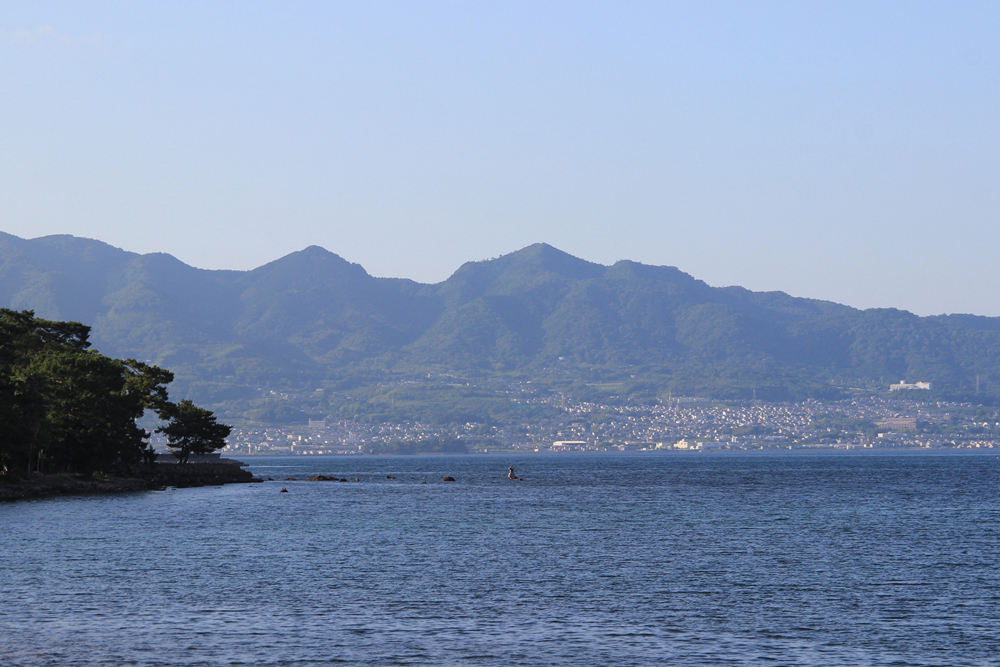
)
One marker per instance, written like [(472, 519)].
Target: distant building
[(317, 424), (903, 385), (568, 444), (705, 446)]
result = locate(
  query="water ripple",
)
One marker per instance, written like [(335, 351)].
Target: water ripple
[(624, 560)]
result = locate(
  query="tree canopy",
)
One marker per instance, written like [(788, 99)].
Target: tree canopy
[(192, 430), (67, 408)]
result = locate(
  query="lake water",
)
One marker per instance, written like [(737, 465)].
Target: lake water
[(675, 559)]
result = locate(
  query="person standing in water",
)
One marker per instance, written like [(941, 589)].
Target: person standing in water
[(511, 474)]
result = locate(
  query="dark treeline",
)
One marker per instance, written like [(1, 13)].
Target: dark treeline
[(67, 408)]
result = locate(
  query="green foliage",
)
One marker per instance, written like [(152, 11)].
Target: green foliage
[(90, 418), (192, 430), (67, 408), (276, 413), (437, 404)]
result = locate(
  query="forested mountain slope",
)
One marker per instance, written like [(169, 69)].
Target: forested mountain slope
[(314, 318)]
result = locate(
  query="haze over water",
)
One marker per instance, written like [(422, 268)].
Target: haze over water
[(823, 559)]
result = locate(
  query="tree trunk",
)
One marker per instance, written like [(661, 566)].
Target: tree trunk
[(31, 447)]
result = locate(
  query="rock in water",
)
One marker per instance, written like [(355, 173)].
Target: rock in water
[(447, 479), (322, 478), (283, 491)]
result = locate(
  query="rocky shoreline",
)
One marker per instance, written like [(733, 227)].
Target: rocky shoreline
[(136, 479)]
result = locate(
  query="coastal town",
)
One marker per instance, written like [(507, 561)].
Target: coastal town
[(676, 424)]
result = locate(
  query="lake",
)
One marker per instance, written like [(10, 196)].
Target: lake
[(676, 559)]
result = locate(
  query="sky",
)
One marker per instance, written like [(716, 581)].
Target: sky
[(834, 150)]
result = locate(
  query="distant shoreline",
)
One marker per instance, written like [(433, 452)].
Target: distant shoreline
[(665, 453)]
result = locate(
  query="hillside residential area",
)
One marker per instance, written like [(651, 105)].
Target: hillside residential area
[(679, 424)]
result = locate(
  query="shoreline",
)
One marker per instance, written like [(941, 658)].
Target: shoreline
[(144, 479)]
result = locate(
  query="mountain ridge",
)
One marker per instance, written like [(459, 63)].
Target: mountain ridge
[(315, 318)]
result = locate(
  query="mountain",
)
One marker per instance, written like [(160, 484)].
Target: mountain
[(314, 320)]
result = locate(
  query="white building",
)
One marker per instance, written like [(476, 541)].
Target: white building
[(567, 445), (903, 385), (705, 446)]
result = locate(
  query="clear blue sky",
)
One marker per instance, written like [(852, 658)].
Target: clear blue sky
[(847, 151)]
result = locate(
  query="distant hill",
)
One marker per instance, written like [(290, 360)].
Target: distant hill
[(313, 320)]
